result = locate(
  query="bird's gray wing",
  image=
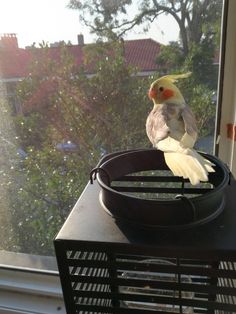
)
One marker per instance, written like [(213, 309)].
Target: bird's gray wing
[(156, 125), (190, 126)]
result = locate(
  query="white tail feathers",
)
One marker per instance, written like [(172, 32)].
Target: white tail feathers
[(190, 166)]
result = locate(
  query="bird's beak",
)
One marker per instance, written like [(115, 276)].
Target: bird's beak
[(152, 93)]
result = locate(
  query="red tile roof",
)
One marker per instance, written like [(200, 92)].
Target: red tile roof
[(142, 53), (14, 63)]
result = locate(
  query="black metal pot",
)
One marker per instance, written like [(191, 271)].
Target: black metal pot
[(187, 207)]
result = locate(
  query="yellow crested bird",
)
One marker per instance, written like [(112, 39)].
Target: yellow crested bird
[(171, 128)]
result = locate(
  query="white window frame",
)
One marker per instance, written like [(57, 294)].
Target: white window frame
[(30, 284), (225, 147)]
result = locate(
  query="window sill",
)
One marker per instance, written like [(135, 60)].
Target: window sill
[(29, 284)]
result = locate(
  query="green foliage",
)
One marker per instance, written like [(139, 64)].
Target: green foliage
[(103, 113), (199, 35), (204, 108), (200, 89), (200, 61), (119, 101), (170, 57), (201, 100), (8, 161), (46, 187), (31, 130), (196, 19)]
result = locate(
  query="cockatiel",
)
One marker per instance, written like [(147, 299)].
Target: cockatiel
[(171, 128)]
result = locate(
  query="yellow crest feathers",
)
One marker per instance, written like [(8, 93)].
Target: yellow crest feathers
[(175, 77)]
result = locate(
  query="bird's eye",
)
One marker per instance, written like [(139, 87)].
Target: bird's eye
[(161, 89)]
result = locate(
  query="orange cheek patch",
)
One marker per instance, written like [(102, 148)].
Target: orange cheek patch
[(167, 93)]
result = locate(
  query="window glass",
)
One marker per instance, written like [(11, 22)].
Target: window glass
[(74, 77)]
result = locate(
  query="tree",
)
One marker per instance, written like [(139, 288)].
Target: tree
[(98, 115), (9, 159), (196, 19), (199, 28), (118, 101)]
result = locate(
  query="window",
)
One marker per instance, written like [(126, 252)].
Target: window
[(68, 97), (48, 146)]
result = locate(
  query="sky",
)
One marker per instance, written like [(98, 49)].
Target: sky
[(51, 21)]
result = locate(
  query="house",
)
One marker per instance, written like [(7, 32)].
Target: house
[(15, 61)]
